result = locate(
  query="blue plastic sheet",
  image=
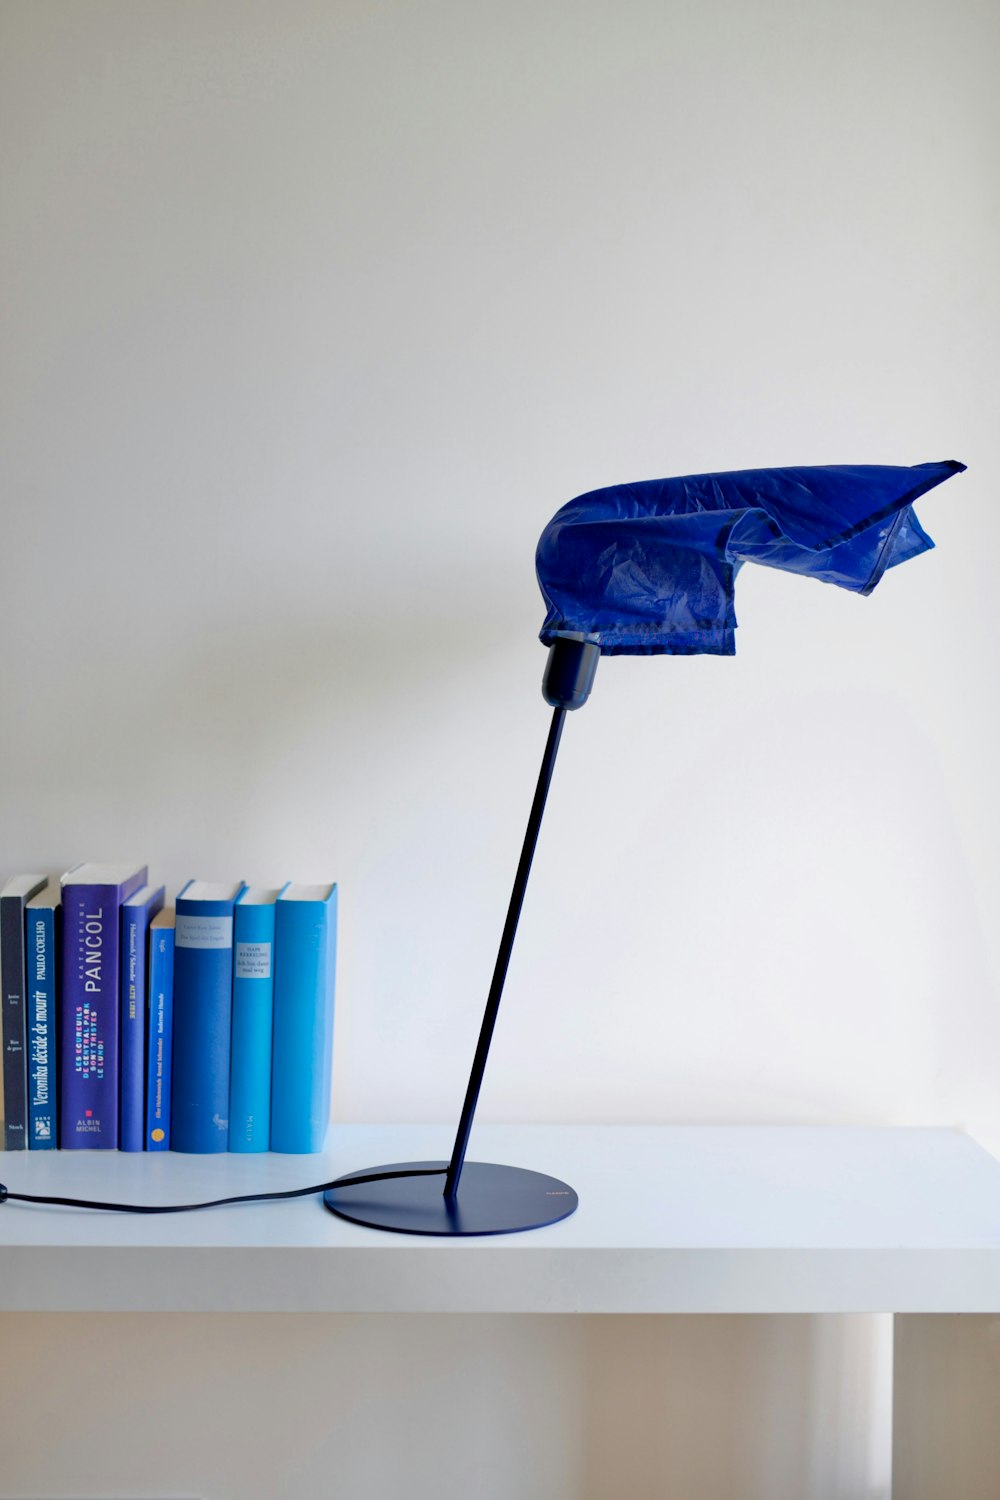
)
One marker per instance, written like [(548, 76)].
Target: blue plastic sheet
[(650, 567)]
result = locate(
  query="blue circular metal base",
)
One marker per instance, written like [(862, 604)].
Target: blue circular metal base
[(491, 1200)]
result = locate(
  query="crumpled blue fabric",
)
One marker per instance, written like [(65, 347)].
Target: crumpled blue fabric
[(650, 567)]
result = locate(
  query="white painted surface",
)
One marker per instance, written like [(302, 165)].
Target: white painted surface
[(693, 1220), (317, 313)]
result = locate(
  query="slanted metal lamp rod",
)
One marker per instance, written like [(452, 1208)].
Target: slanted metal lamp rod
[(569, 676), (494, 1199)]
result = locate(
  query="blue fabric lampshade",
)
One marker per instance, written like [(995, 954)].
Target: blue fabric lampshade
[(650, 567)]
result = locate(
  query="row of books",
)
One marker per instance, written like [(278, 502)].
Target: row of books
[(130, 1024)]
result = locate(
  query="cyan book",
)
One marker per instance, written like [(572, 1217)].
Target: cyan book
[(305, 957), (160, 1030), (43, 930), (137, 913), (13, 978), (203, 1003), (92, 897), (253, 996)]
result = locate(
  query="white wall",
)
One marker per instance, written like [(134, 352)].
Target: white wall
[(315, 312)]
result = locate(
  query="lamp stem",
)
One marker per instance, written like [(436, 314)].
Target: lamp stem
[(503, 956)]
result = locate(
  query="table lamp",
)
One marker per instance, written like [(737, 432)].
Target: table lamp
[(643, 569)]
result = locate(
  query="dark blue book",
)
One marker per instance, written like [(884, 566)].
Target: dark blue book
[(13, 979), (43, 930), (203, 1005), (305, 956), (137, 913), (88, 1065), (253, 996), (160, 1030)]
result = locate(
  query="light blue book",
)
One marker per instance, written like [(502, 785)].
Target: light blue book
[(305, 955), (253, 1007), (203, 1016), (137, 913), (160, 1030), (43, 924)]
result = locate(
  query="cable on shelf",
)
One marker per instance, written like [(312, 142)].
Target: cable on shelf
[(182, 1208)]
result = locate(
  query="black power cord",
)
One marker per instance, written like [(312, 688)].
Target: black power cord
[(182, 1208)]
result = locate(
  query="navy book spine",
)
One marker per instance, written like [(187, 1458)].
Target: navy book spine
[(136, 917), (15, 1051), (89, 1029), (203, 1003), (161, 1031), (43, 933)]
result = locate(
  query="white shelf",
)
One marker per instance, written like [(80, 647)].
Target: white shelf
[(697, 1219)]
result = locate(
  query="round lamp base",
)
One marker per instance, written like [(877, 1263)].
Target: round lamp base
[(491, 1200)]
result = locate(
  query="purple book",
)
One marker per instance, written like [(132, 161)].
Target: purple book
[(92, 897), (137, 913)]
